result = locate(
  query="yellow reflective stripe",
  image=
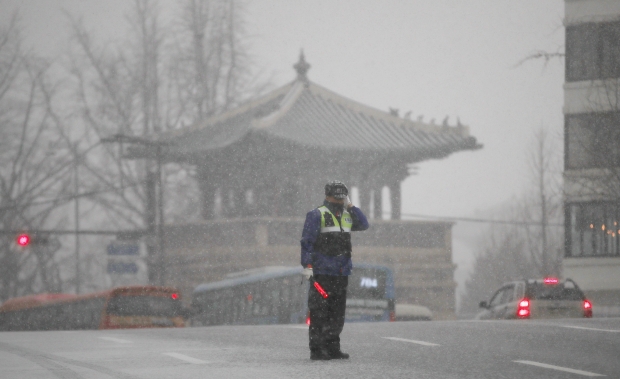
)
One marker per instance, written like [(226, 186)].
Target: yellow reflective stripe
[(347, 221)]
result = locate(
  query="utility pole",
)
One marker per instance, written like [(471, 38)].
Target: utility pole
[(160, 220), (77, 224)]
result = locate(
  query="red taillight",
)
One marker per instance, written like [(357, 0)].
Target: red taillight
[(174, 296), (392, 316), (523, 310), (587, 309), (308, 319), (551, 280)]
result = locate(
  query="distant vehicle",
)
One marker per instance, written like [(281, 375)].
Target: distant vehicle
[(411, 312), (279, 295), (543, 298), (118, 308)]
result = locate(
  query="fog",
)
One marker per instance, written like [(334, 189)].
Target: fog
[(157, 160), (434, 59)]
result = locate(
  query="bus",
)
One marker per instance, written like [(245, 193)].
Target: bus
[(117, 308), (279, 295)]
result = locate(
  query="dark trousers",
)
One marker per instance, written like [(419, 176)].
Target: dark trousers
[(327, 315)]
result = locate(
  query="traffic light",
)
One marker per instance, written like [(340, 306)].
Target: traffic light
[(23, 240), (35, 239)]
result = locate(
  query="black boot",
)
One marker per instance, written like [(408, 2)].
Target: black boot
[(338, 355), (319, 355)]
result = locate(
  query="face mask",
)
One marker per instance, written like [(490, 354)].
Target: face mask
[(334, 207)]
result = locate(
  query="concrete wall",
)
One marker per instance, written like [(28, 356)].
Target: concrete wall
[(594, 273), (419, 253)]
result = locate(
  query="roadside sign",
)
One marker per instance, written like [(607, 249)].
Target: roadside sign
[(116, 248), (119, 267)]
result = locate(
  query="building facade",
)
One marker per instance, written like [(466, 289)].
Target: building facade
[(592, 149)]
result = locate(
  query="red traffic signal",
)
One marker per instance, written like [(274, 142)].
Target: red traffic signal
[(23, 240)]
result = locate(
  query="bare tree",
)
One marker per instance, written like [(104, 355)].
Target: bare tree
[(545, 206), (211, 65), (160, 78), (34, 178), (531, 246)]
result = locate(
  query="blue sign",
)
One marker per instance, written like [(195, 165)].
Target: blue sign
[(123, 249), (122, 268)]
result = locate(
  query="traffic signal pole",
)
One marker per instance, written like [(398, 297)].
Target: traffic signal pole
[(160, 259), (77, 226), (160, 223)]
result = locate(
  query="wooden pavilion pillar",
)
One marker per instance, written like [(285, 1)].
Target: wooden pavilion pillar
[(364, 194), (377, 208), (395, 199), (207, 185)]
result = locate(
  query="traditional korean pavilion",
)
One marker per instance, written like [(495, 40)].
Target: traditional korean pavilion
[(263, 165), (271, 156)]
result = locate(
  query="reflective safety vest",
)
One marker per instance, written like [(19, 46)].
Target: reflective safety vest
[(335, 237)]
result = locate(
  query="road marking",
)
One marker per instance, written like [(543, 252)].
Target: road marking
[(119, 340), (411, 341), (559, 368), (585, 328), (186, 358)]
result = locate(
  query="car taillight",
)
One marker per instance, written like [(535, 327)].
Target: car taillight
[(523, 310), (392, 316), (308, 319), (587, 308), (551, 280)]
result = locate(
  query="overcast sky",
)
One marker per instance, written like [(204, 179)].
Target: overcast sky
[(436, 58)]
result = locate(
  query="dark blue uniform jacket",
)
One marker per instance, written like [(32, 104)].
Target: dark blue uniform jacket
[(322, 264)]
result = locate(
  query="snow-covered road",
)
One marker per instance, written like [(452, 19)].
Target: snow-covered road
[(448, 349)]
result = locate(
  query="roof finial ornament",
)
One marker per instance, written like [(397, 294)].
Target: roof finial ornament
[(302, 68)]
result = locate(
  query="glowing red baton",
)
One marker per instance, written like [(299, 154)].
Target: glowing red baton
[(320, 289)]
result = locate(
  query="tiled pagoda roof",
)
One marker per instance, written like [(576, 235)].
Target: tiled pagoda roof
[(309, 115)]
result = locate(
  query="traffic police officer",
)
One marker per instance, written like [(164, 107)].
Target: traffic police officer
[(326, 258)]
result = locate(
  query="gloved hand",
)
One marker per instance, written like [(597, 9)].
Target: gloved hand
[(308, 272), (347, 203)]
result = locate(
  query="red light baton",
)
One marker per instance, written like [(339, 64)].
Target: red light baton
[(320, 289)]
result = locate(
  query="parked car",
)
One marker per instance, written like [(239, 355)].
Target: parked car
[(538, 298)]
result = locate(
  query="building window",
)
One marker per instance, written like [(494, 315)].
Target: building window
[(609, 50), (593, 140), (593, 229), (593, 51)]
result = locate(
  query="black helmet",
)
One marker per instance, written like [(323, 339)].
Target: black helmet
[(336, 189)]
